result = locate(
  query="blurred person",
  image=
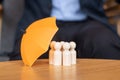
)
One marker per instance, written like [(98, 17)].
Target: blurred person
[(11, 12), (82, 21)]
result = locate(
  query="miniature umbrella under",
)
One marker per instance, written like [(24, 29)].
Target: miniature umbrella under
[(37, 38)]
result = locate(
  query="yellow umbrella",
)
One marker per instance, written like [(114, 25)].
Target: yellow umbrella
[(37, 38)]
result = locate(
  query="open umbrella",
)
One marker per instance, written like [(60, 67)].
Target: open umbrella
[(37, 38)]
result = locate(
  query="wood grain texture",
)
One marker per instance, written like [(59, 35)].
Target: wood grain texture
[(85, 69)]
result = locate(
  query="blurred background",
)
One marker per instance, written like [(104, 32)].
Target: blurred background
[(11, 12)]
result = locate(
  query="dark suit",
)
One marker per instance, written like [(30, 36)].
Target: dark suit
[(90, 39), (37, 9)]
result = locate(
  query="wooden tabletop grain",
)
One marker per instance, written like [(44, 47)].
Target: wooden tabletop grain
[(85, 69)]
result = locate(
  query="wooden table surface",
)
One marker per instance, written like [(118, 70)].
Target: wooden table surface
[(85, 69)]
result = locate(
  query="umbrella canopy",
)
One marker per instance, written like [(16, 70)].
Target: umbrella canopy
[(37, 38)]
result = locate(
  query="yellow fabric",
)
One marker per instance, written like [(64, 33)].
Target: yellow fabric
[(37, 38)]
